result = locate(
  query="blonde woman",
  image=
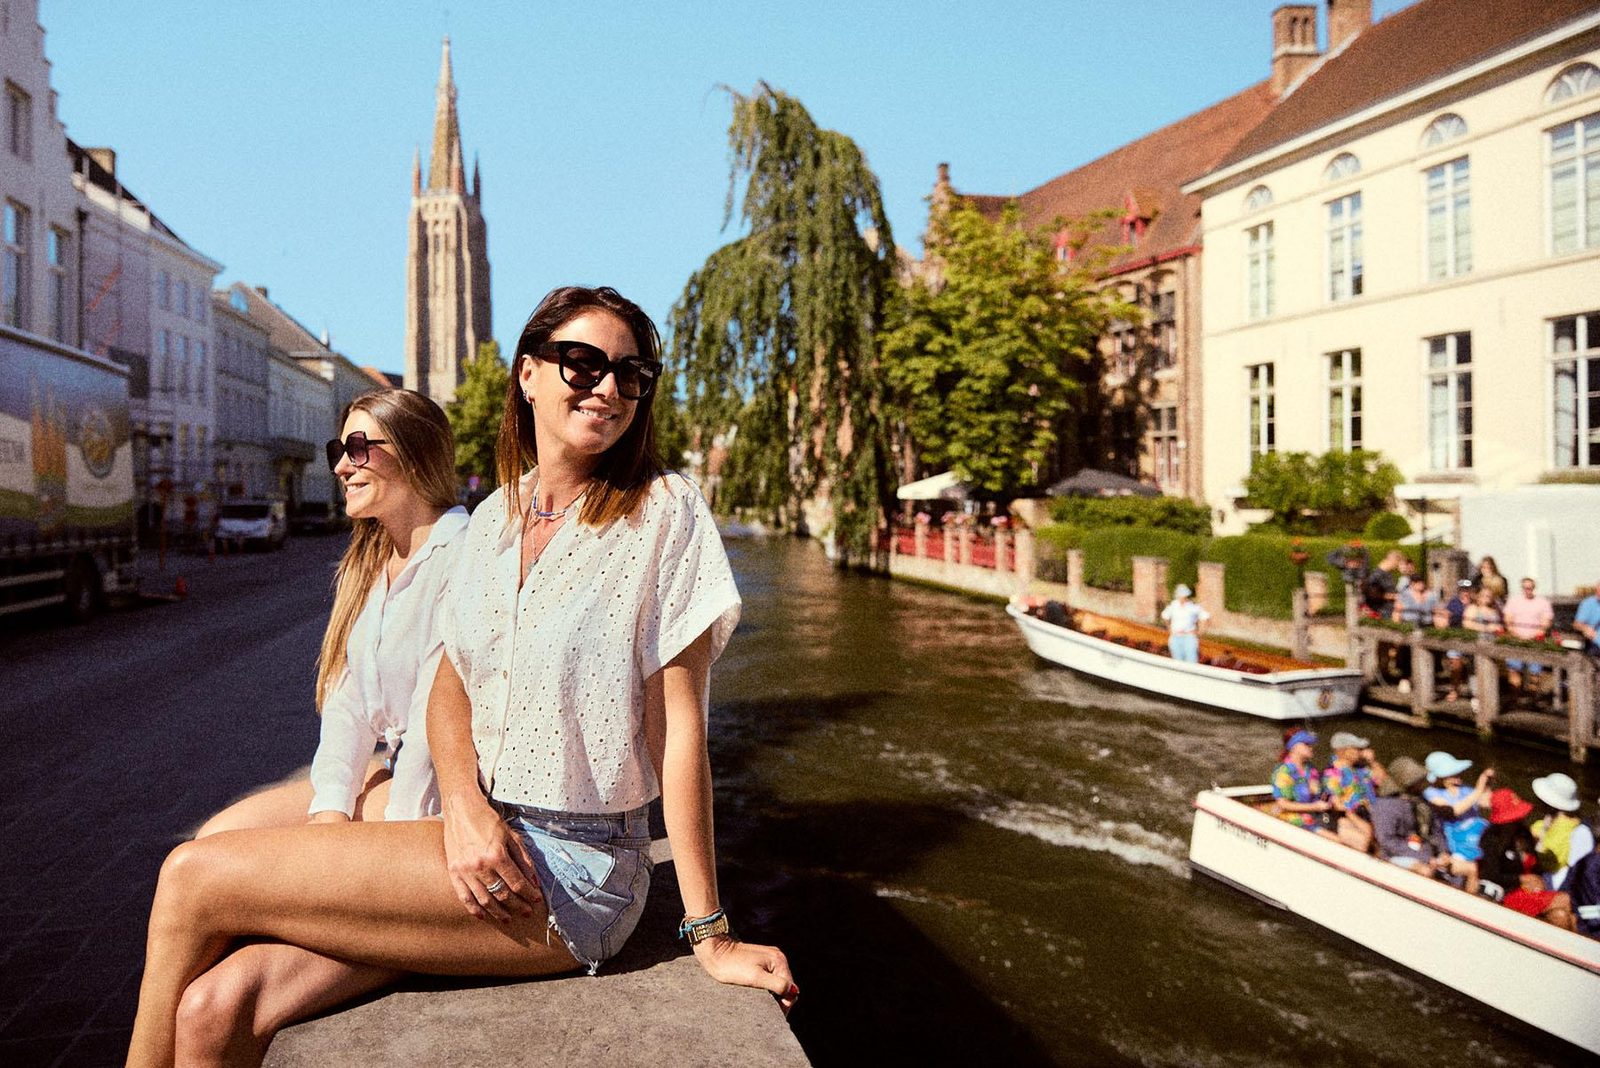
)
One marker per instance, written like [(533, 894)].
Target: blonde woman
[(395, 462), (589, 600)]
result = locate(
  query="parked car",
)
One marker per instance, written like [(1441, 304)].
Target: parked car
[(261, 523)]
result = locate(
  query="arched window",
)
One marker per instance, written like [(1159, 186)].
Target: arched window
[(1343, 166), (1446, 127), (1259, 198), (1580, 79)]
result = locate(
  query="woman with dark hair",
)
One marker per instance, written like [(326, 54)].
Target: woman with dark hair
[(396, 465), (589, 599)]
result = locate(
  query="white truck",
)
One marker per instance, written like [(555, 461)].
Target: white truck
[(67, 535)]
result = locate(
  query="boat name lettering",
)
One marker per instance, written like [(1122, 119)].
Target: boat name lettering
[(1240, 833)]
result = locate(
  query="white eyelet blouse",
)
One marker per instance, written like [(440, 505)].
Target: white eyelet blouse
[(391, 658), (556, 673)]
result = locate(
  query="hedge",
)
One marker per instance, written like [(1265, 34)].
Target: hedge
[(1260, 578), (1167, 513)]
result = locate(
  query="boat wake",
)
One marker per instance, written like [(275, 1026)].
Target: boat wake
[(1124, 840)]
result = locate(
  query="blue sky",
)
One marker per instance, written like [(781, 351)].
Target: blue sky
[(277, 137)]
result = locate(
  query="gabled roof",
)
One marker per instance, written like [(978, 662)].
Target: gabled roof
[(1143, 178), (384, 379), (284, 332), (1411, 47), (97, 175)]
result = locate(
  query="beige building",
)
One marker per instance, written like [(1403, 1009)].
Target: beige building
[(1404, 256), (447, 258)]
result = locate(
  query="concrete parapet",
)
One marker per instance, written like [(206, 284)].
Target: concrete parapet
[(652, 1004)]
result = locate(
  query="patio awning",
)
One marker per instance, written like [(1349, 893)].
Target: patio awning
[(945, 487)]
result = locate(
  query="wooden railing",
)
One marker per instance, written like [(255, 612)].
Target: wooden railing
[(1558, 701)]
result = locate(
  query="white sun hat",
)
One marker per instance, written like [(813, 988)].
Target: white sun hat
[(1558, 791)]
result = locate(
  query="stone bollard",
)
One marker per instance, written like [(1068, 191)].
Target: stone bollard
[(966, 545), (1316, 591), (949, 545), (1024, 562), (1075, 575), (1300, 637), (1149, 586), (1002, 550), (1212, 593), (919, 541)]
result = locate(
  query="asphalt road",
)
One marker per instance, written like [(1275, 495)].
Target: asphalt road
[(119, 738)]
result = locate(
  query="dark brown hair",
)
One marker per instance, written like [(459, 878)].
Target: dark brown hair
[(625, 471)]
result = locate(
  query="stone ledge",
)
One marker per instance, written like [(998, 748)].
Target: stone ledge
[(653, 1003)]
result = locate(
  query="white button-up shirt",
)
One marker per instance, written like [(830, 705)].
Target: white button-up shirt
[(556, 672), (391, 658)]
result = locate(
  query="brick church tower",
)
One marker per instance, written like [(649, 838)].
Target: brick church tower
[(447, 258)]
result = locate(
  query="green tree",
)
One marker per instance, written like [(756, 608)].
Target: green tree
[(1343, 487), (991, 352), (775, 333), (475, 413), (672, 431)]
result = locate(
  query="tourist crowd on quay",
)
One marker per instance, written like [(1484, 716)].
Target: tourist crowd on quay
[(1427, 819)]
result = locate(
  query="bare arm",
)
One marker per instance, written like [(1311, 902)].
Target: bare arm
[(675, 728), (478, 848)]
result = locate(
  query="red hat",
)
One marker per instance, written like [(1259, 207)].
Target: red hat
[(1506, 807)]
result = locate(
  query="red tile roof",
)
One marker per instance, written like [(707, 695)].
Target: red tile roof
[(1146, 175), (1413, 46)]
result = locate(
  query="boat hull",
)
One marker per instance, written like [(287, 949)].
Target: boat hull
[(1546, 977), (1280, 695)]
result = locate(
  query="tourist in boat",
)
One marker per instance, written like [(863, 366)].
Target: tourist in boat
[(552, 724), (1404, 829), (1490, 578), (1583, 887), (1459, 804), (1185, 619), (1562, 838), (1296, 786), (1510, 863), (1347, 785)]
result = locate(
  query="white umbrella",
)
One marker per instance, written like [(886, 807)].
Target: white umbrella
[(945, 487)]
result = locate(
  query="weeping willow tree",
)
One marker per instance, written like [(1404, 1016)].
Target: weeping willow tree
[(774, 336)]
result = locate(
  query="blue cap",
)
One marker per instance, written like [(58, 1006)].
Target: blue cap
[(1300, 736)]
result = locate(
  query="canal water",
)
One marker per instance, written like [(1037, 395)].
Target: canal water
[(972, 856)]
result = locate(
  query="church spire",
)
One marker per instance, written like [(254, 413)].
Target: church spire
[(446, 154), (416, 172)]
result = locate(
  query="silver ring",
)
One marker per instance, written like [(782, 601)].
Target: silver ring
[(495, 887)]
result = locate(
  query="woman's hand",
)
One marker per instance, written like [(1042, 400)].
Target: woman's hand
[(727, 960), (489, 867)]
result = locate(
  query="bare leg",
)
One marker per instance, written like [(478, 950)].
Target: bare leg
[(230, 1014), (373, 893), (286, 804)]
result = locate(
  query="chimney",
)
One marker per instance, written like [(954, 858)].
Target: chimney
[(1294, 43), (1346, 18), (106, 157)]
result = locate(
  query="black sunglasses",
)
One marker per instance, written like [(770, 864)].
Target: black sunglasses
[(357, 446), (584, 367)]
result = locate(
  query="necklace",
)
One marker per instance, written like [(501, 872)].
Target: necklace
[(534, 514)]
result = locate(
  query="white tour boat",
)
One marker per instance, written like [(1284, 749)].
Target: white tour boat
[(1236, 680), (1542, 975)]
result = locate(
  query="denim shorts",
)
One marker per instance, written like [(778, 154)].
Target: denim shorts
[(594, 872)]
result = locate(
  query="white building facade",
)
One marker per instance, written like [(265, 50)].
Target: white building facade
[(1417, 274), (298, 403)]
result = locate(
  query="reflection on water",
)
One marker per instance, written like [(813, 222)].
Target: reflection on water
[(972, 855)]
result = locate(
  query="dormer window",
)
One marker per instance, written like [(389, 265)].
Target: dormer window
[(1580, 79), (1343, 166), (1259, 197), (1444, 128), (1138, 210)]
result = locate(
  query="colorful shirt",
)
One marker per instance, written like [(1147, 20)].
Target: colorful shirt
[(1348, 786), (1302, 785)]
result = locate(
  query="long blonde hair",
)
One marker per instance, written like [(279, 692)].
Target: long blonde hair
[(418, 434), (623, 476)]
